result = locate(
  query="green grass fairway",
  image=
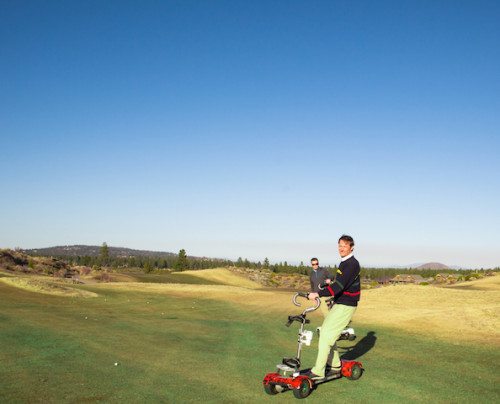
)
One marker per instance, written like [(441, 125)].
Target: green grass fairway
[(187, 349)]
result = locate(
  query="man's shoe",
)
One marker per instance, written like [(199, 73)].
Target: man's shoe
[(333, 371), (313, 376)]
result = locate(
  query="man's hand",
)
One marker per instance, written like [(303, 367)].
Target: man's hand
[(312, 296), (328, 281)]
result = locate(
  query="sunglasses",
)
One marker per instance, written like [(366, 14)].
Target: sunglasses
[(314, 265)]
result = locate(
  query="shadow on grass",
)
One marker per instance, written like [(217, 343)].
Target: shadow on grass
[(362, 347)]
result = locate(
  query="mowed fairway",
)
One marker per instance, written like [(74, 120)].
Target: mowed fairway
[(214, 343)]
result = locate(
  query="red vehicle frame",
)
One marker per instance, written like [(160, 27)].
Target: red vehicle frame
[(300, 384)]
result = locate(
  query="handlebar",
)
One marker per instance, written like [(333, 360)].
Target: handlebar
[(323, 286), (303, 294)]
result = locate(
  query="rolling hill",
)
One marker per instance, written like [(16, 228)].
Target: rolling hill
[(433, 265), (94, 251)]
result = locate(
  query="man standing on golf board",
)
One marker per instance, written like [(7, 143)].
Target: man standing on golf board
[(346, 290)]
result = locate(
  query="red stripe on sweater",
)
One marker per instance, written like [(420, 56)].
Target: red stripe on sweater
[(330, 290), (351, 294)]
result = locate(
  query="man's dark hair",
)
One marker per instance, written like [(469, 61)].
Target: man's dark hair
[(347, 239), (315, 259)]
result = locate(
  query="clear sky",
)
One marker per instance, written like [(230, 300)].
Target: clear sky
[(253, 128)]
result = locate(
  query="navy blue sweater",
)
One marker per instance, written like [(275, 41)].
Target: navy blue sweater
[(347, 287)]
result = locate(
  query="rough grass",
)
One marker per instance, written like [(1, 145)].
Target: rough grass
[(486, 283), (452, 315), (45, 286), (191, 343), (166, 277), (223, 276)]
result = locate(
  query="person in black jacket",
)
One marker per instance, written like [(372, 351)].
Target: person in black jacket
[(317, 277), (345, 290)]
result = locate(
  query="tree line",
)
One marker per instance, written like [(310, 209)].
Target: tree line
[(182, 262), (379, 273)]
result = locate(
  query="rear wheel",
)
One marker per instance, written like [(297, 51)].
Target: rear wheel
[(356, 372), (271, 389), (304, 390)]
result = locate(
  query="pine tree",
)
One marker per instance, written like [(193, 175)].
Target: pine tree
[(182, 262), (104, 254), (148, 267)]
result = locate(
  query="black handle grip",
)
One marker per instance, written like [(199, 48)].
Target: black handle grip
[(300, 318)]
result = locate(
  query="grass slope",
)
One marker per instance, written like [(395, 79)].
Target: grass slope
[(187, 346), (223, 276), (45, 285), (167, 277), (453, 314)]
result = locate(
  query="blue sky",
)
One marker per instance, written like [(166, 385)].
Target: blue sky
[(254, 129)]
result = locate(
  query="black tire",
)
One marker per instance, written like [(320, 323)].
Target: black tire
[(270, 389), (304, 390), (357, 372)]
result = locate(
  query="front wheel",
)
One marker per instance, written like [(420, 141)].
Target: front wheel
[(270, 389), (304, 389)]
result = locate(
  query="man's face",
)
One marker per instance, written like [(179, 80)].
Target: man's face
[(314, 264), (344, 248)]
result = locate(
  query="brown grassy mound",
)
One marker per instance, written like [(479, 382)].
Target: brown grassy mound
[(224, 276), (452, 313), (267, 278), (42, 285), (487, 283)]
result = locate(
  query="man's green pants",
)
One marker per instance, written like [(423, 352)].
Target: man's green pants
[(335, 321)]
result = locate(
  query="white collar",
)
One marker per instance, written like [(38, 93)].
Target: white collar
[(347, 257)]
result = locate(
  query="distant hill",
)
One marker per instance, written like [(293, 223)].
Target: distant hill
[(433, 265), (93, 251)]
